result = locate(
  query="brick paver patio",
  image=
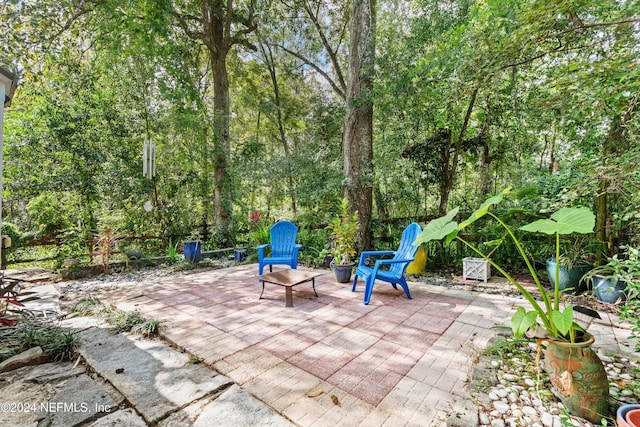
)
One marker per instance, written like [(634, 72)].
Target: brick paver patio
[(394, 362)]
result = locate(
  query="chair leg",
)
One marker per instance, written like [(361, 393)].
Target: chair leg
[(405, 287), (368, 289), (355, 280)]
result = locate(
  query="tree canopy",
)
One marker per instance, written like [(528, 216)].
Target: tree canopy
[(247, 102)]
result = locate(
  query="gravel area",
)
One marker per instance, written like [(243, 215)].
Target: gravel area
[(520, 395), (511, 390)]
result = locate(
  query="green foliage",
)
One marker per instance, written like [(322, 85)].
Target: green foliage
[(539, 82), (148, 328), (625, 268), (313, 242), (343, 232), (87, 306), (558, 324), (172, 251), (121, 321), (57, 343)]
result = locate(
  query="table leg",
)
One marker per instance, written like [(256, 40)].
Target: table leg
[(313, 284), (288, 296), (260, 297)]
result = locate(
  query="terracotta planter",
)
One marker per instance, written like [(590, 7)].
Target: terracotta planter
[(623, 413), (633, 418), (579, 378)]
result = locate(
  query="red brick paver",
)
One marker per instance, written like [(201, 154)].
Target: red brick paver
[(393, 362)]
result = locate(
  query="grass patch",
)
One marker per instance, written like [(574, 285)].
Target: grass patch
[(57, 343), (120, 320)]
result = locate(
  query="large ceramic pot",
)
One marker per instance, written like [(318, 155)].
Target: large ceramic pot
[(342, 272), (578, 376), (569, 279), (606, 292)]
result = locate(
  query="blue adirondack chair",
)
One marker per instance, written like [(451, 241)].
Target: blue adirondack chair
[(284, 250), (397, 265)]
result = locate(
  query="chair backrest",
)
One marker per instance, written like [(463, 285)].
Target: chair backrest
[(406, 250), (283, 239)]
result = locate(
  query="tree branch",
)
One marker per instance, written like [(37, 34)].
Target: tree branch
[(596, 25), (327, 46), (334, 86), (195, 35)]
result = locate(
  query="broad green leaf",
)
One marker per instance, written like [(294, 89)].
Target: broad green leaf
[(438, 228), (563, 320), (522, 321), (484, 208), (565, 221)]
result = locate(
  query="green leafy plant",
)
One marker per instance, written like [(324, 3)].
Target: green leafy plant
[(556, 323), (620, 269), (57, 343), (87, 306), (148, 328), (624, 269), (343, 232), (172, 252)]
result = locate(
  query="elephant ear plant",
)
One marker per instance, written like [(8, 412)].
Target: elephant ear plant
[(557, 323)]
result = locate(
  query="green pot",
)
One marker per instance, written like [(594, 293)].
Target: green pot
[(578, 376), (569, 279)]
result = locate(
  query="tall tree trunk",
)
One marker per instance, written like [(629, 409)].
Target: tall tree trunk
[(358, 130), (219, 28), (486, 184), (222, 187)]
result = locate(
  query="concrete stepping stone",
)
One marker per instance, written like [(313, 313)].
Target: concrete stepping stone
[(79, 401), (123, 418), (153, 377)]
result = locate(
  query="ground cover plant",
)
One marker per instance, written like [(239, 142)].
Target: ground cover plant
[(57, 343), (120, 320)]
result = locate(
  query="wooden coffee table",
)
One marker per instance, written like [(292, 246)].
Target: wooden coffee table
[(289, 279)]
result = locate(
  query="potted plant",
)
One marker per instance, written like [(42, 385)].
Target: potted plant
[(575, 370), (192, 248), (343, 232), (573, 264), (610, 280)]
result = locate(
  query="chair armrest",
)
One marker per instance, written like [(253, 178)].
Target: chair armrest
[(366, 254), (392, 261), (261, 249), (381, 262), (296, 249)]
